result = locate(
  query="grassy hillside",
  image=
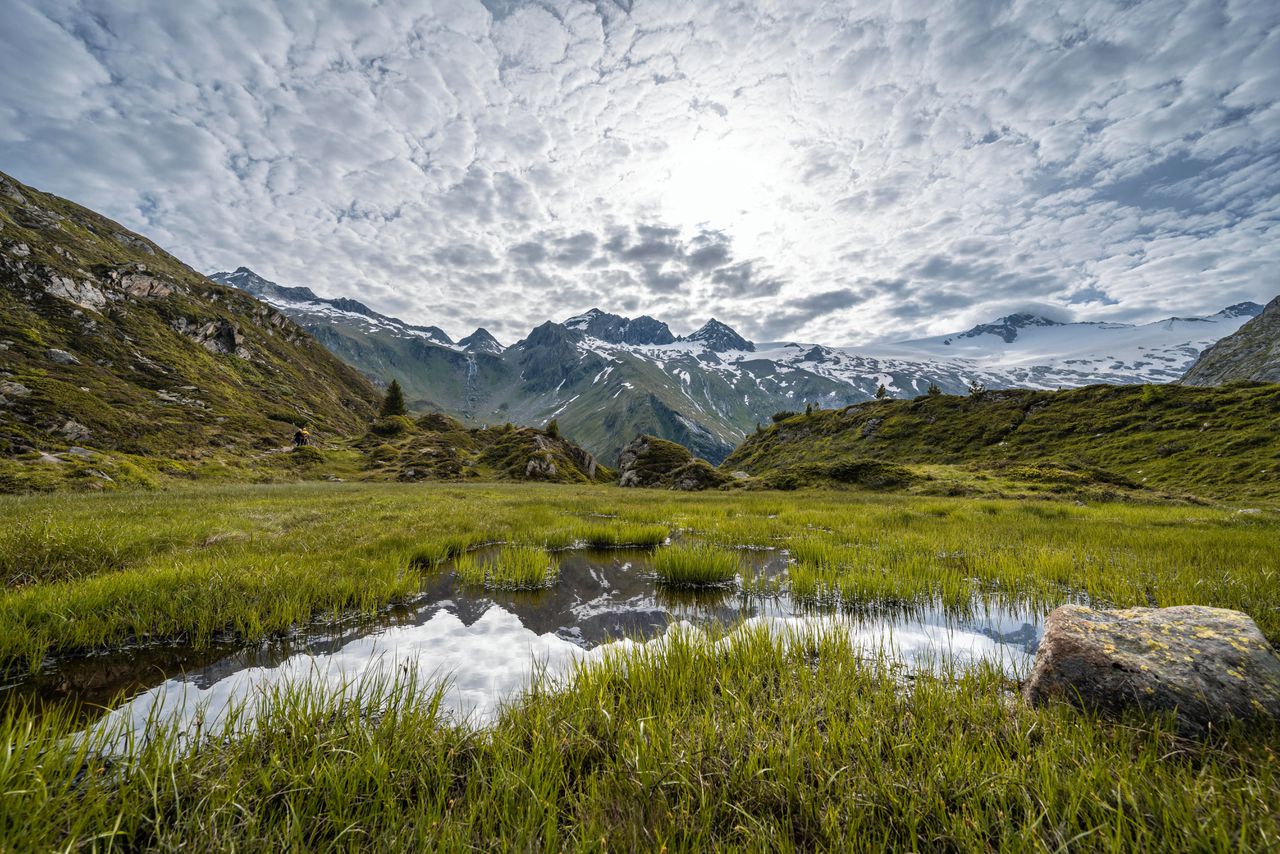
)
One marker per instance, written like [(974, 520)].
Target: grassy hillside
[(437, 447), (109, 342), (1213, 442)]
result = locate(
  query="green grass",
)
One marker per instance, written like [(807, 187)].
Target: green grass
[(90, 572), (760, 744), (512, 568), (695, 566), (752, 743), (1094, 441), (622, 535)]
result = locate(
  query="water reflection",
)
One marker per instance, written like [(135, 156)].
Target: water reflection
[(488, 644)]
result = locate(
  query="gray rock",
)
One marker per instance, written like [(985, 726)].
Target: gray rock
[(83, 294), (217, 336), (75, 431), (10, 191), (61, 357), (51, 459), (10, 389), (1209, 665), (77, 451)]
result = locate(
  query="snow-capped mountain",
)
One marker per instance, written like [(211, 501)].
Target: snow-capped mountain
[(305, 307), (1036, 352), (606, 377)]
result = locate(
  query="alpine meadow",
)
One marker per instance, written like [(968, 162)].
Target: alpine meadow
[(547, 425)]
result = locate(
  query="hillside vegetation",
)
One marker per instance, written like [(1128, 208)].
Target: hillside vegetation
[(1213, 442), (1251, 353), (438, 447), (108, 342)]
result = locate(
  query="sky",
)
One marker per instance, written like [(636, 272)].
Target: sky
[(820, 171)]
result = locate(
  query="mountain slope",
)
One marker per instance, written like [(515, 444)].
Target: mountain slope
[(109, 342), (607, 378), (1251, 353), (1217, 442)]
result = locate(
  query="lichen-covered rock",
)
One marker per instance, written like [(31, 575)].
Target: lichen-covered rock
[(221, 337), (1209, 665)]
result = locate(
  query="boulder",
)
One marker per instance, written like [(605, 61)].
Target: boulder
[(61, 357), (1209, 665), (74, 431)]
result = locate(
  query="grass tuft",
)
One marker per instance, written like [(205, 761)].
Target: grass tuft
[(512, 568), (623, 535), (695, 566)]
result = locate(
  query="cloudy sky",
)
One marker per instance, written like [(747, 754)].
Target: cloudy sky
[(834, 171)]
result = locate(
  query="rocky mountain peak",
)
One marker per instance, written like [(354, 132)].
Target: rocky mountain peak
[(1007, 327), (617, 329), (1241, 309), (719, 338), (251, 283), (481, 341)]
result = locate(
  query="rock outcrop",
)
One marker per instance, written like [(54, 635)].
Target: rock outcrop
[(1250, 353), (652, 462), (1209, 665)]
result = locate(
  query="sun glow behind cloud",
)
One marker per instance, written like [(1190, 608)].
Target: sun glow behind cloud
[(824, 171)]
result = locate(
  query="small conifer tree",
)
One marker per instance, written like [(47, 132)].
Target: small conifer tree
[(553, 429), (393, 402), (808, 409), (882, 392), (934, 391)]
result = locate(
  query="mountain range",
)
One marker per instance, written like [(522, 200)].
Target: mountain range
[(606, 378)]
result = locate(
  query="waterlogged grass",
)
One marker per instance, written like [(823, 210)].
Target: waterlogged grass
[(759, 744), (511, 568), (93, 571), (696, 565), (621, 535)]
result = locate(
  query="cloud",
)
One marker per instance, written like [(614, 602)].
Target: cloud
[(819, 171)]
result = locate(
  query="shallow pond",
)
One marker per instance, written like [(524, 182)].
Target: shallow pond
[(488, 643)]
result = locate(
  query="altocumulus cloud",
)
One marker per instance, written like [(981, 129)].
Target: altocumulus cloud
[(821, 170)]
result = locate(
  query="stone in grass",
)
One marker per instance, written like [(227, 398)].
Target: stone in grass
[(61, 357), (1211, 666)]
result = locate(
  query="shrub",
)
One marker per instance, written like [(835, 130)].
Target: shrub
[(783, 415), (553, 429)]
